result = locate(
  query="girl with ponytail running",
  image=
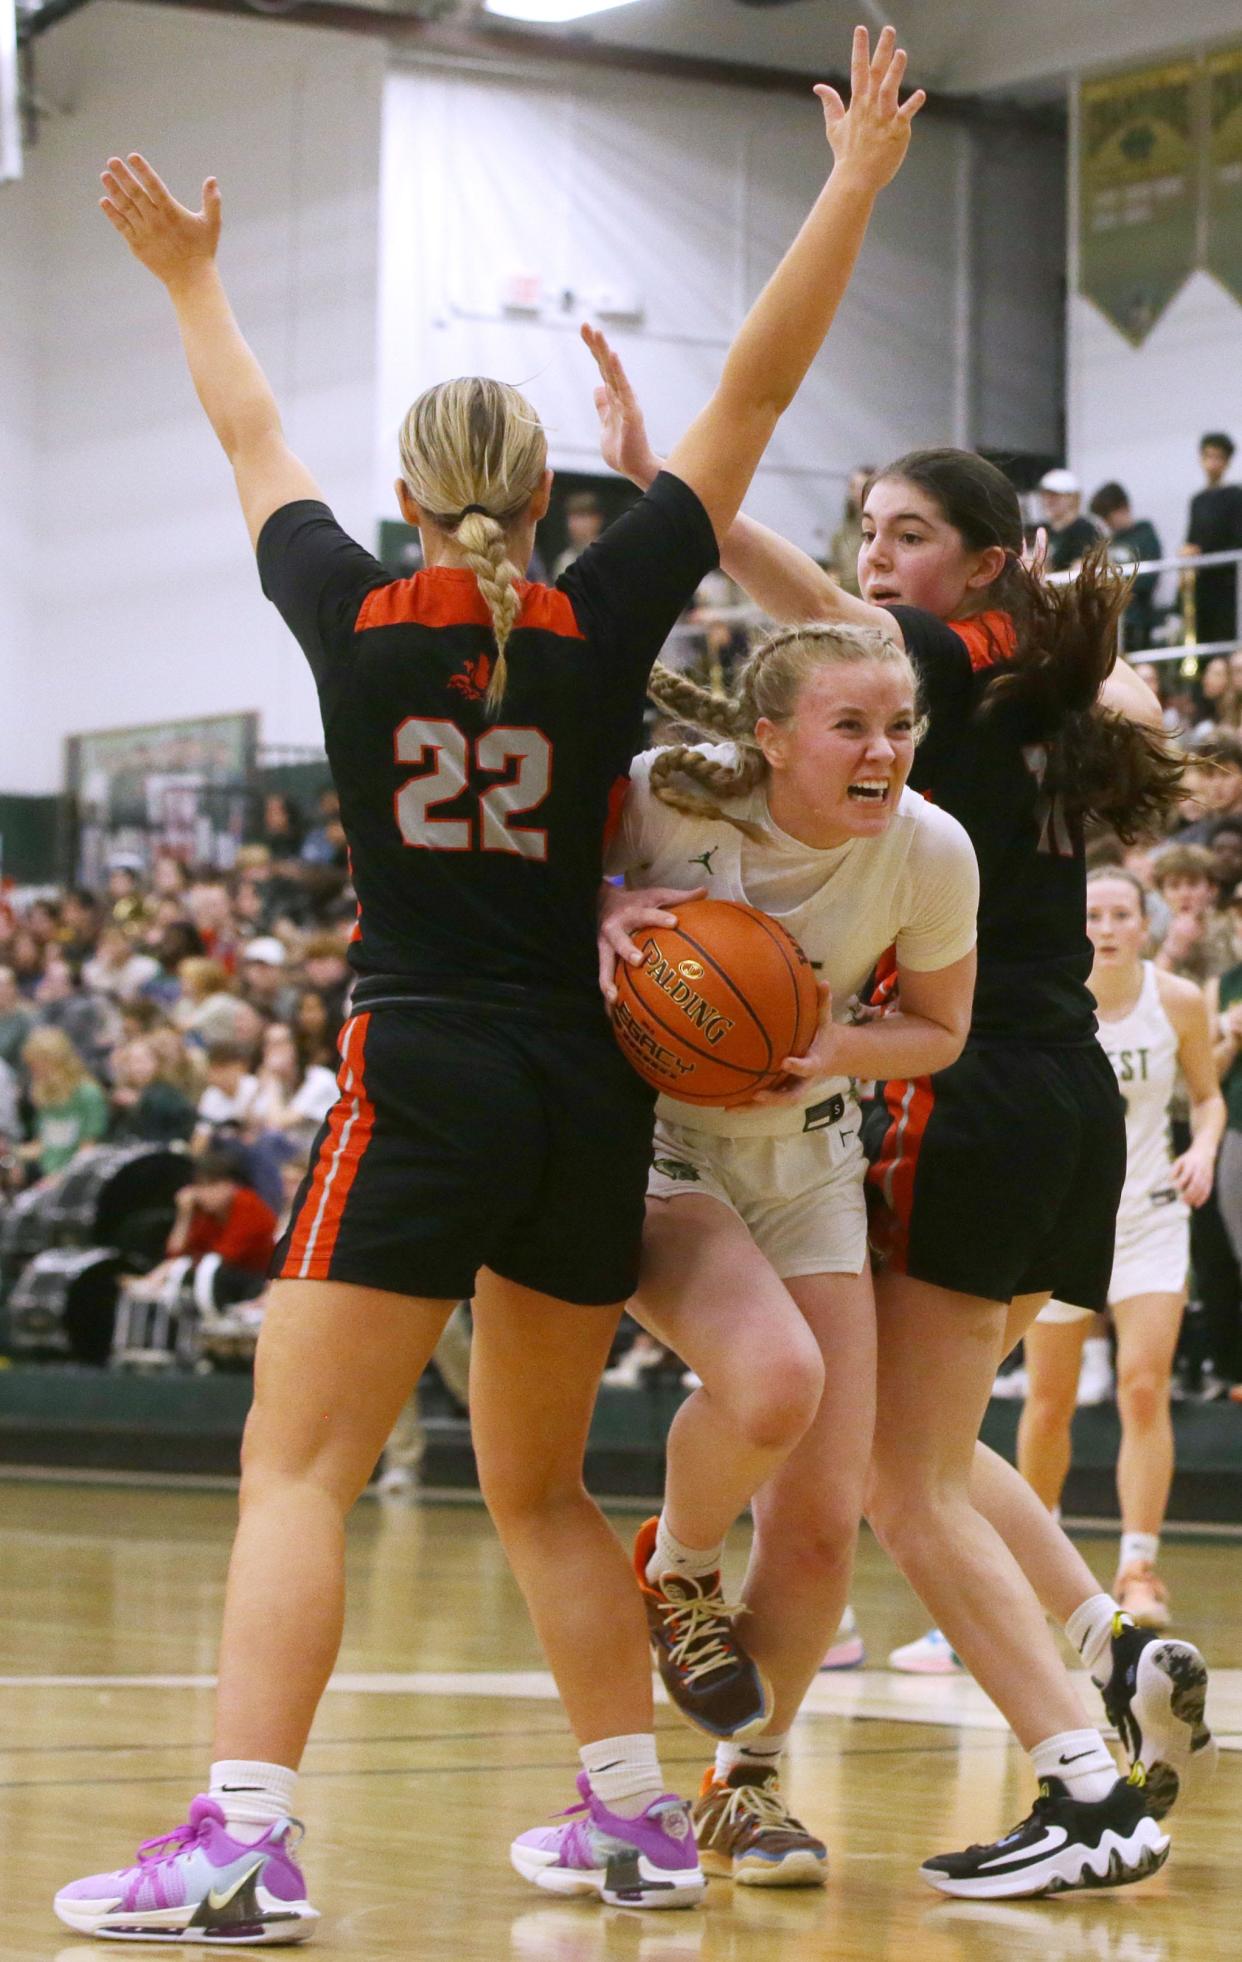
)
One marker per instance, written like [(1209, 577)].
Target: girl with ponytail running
[(995, 1182)]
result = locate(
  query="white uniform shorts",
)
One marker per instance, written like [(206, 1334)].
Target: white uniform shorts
[(800, 1195), (1152, 1256)]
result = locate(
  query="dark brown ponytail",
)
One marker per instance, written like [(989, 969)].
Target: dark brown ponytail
[(1104, 766)]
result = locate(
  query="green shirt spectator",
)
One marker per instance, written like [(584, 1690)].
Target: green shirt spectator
[(70, 1108)]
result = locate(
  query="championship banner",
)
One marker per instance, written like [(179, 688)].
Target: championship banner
[(1224, 178), (1137, 193)]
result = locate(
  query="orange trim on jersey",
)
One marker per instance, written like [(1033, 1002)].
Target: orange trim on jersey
[(891, 1176), (449, 596), (988, 638), (351, 1123)]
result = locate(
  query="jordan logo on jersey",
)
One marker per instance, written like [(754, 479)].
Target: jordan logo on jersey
[(705, 860), (473, 678)]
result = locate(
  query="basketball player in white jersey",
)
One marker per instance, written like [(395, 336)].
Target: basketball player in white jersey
[(755, 1264), (1151, 1025)]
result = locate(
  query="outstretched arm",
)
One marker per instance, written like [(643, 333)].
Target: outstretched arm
[(785, 328), (778, 576), (178, 246)]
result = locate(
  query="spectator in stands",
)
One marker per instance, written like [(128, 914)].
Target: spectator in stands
[(1131, 540), (176, 1063), (846, 540), (79, 925), (326, 967), (43, 921), (281, 826), (1198, 941), (90, 1021), (172, 942), (169, 879), (1215, 525), (1211, 786), (1225, 852), (324, 843), (116, 968), (228, 1098), (144, 1106), (584, 521), (1217, 702), (264, 982), (206, 1010), (208, 906), (275, 893), (316, 1026), (293, 1097), (26, 960), (222, 1239), (126, 901), (16, 1019), (1224, 1333), (70, 1108), (1070, 533), (10, 1111)]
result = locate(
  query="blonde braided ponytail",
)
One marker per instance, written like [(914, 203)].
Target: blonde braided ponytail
[(473, 454), (767, 689)]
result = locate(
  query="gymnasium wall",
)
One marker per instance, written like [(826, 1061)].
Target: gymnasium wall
[(675, 201), (142, 602), (126, 593)]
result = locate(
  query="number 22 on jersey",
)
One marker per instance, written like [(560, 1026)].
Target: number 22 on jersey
[(525, 753)]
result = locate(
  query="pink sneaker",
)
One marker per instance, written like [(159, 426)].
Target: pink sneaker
[(648, 1862), (196, 1884)]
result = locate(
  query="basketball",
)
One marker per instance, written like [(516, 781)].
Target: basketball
[(719, 1002)]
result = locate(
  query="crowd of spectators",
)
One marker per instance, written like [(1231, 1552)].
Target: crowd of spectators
[(180, 1007)]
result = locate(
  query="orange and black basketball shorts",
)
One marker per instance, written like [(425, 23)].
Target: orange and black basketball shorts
[(1002, 1174), (469, 1135)]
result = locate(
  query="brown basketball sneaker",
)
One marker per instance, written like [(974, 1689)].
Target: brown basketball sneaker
[(709, 1676), (747, 1833)]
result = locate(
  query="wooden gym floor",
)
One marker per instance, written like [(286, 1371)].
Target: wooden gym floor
[(440, 1739)]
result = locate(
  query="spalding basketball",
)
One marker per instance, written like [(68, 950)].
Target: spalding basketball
[(719, 1002)]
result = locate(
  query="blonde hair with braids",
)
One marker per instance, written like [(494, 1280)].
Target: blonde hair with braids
[(473, 454), (768, 686)]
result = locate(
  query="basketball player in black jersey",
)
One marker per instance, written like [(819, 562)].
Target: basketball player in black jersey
[(997, 1180), (475, 726)]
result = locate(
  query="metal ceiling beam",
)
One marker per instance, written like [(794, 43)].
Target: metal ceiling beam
[(410, 35)]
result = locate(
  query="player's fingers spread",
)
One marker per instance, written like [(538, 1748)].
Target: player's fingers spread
[(115, 216), (150, 185), (891, 85), (909, 110), (831, 104), (883, 55), (860, 63), (117, 189)]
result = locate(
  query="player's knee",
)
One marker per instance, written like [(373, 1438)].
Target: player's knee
[(1048, 1413), (1142, 1394), (819, 1541), (774, 1405)]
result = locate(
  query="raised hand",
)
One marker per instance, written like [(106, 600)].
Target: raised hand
[(871, 136), (623, 440), (170, 240)]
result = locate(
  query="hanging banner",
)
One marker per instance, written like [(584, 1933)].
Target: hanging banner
[(1224, 185), (1137, 193)]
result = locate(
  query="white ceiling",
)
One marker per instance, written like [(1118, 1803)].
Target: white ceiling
[(963, 46)]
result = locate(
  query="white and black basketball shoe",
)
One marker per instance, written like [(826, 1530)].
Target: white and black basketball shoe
[(1155, 1698), (1066, 1844)]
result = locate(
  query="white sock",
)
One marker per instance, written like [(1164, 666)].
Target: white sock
[(1139, 1548), (624, 1772), (1080, 1759), (762, 1753), (671, 1557), (251, 1795), (1090, 1629)]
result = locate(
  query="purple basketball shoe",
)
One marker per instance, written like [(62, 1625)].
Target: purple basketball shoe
[(195, 1884), (647, 1862)]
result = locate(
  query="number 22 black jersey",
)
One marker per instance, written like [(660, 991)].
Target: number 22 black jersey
[(476, 840)]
